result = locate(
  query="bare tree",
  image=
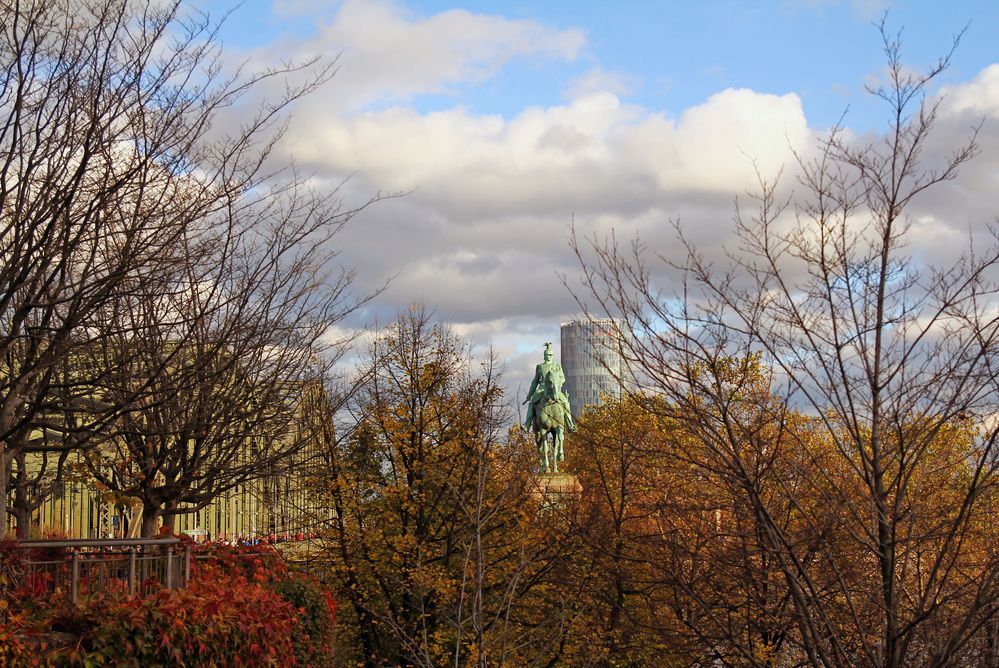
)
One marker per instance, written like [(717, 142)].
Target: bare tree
[(212, 366), (32, 483), (884, 564), (108, 156)]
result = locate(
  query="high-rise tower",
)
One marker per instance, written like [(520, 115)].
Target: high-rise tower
[(593, 361)]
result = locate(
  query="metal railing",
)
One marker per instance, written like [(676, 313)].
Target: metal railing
[(135, 566)]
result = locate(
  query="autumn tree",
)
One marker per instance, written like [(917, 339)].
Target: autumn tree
[(892, 358), (678, 568), (622, 460), (433, 537)]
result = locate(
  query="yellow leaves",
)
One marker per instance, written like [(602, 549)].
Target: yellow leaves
[(765, 653)]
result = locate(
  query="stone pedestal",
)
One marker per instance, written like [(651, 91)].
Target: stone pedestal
[(552, 489)]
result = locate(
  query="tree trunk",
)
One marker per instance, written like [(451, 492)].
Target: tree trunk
[(150, 521), (992, 644), (22, 507), (22, 516), (5, 464)]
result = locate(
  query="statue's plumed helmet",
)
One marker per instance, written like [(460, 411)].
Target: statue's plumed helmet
[(548, 350)]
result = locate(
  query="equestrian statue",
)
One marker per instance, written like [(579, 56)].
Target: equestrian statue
[(548, 412)]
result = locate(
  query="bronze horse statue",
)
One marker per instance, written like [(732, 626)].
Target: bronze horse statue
[(549, 419)]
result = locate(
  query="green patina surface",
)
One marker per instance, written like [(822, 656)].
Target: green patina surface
[(548, 411)]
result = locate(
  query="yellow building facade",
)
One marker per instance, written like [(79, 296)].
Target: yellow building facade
[(283, 504), (280, 504)]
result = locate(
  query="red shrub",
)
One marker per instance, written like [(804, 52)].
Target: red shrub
[(242, 608), (15, 649), (220, 621), (257, 563)]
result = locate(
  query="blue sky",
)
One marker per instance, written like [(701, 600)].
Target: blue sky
[(671, 55), (507, 120)]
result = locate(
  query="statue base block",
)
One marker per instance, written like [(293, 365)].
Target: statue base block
[(555, 488)]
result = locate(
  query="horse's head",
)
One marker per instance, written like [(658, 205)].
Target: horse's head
[(549, 386)]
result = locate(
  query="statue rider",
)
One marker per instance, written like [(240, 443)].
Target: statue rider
[(536, 394)]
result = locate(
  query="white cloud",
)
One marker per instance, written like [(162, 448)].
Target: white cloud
[(388, 54), (979, 96), (593, 153), (483, 236), (713, 145)]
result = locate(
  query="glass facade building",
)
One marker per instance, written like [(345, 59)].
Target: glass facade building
[(593, 362)]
